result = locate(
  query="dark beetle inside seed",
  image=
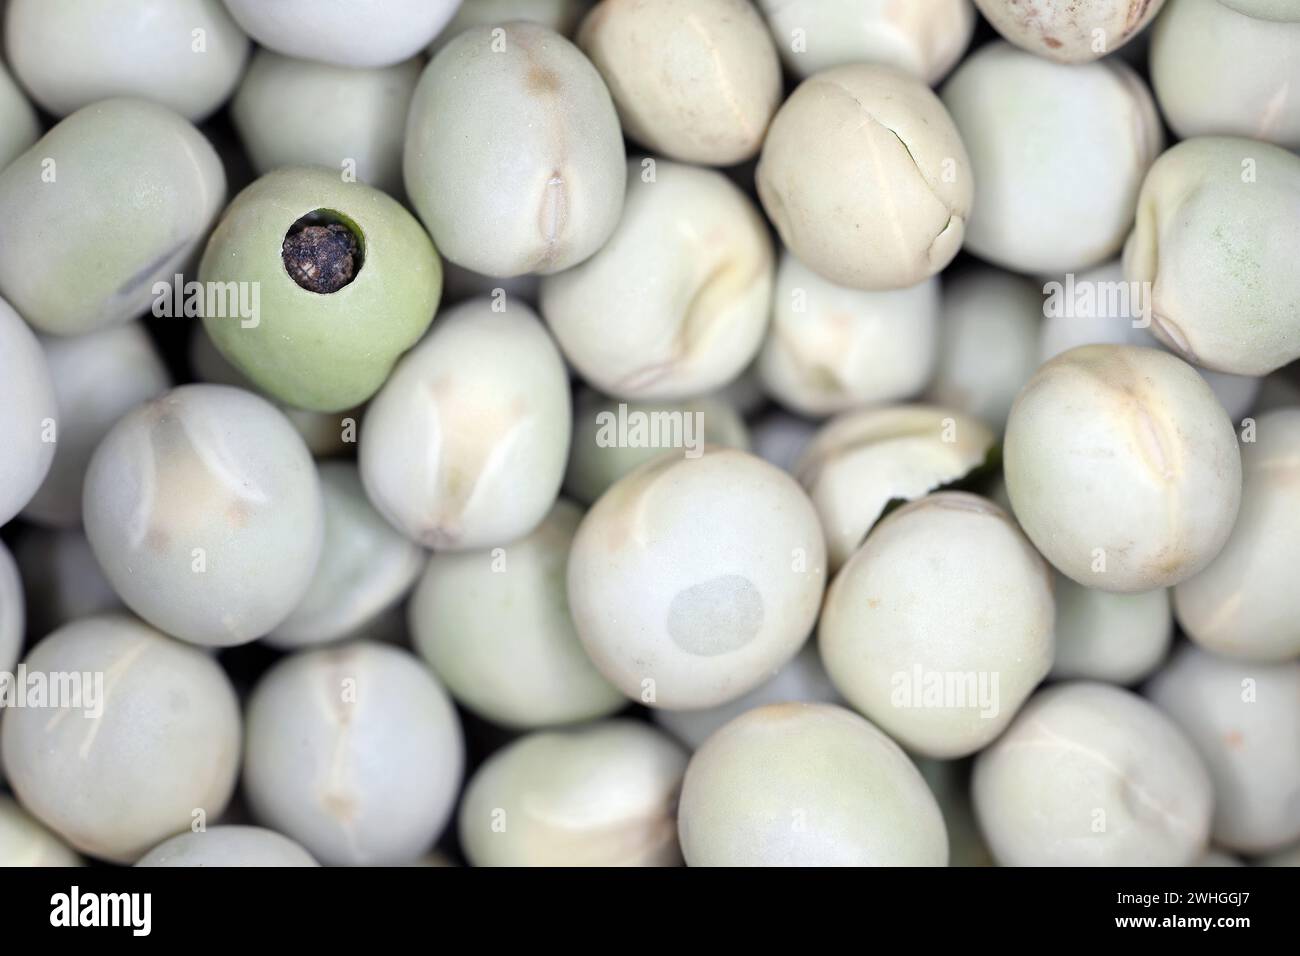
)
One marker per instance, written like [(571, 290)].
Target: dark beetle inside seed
[(321, 258)]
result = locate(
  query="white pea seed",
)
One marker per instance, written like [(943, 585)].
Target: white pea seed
[(481, 401), (1245, 603), (360, 33), (1102, 311), (531, 179), (1122, 467), (13, 618), (1244, 719), (185, 54), (1206, 86), (1090, 774), (366, 567), (691, 581), (98, 377), (158, 744), (940, 626), (28, 414), (19, 127), (1070, 31), (861, 461), (1031, 127), (603, 451), (562, 16), (599, 795), (687, 273), (807, 785), (355, 752), (693, 80), (889, 223), (1117, 638), (496, 629), (204, 510), (925, 39), (803, 679), (24, 841), (228, 846), (1105, 309), (1283, 11), (1216, 215), (90, 222), (62, 581), (367, 110), (832, 348), (988, 342)]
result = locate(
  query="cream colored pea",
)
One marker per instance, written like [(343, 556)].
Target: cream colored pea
[(19, 127), (366, 124), (355, 752), (358, 33), (803, 679), (861, 461), (1122, 467), (98, 377), (185, 54), (13, 616), (940, 626), (1070, 31), (1117, 638), (135, 757), (1245, 603), (613, 438), (1216, 215), (694, 80), (1058, 153), (203, 508), (562, 16), (531, 179), (495, 627), (62, 581), (888, 223), (832, 348), (598, 795), (688, 273), (1208, 84), (28, 414), (1244, 719), (988, 342), (1092, 775), (24, 841), (464, 446), (1283, 11), (692, 580), (365, 570), (807, 785), (925, 38), (90, 220), (1100, 307), (228, 846)]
